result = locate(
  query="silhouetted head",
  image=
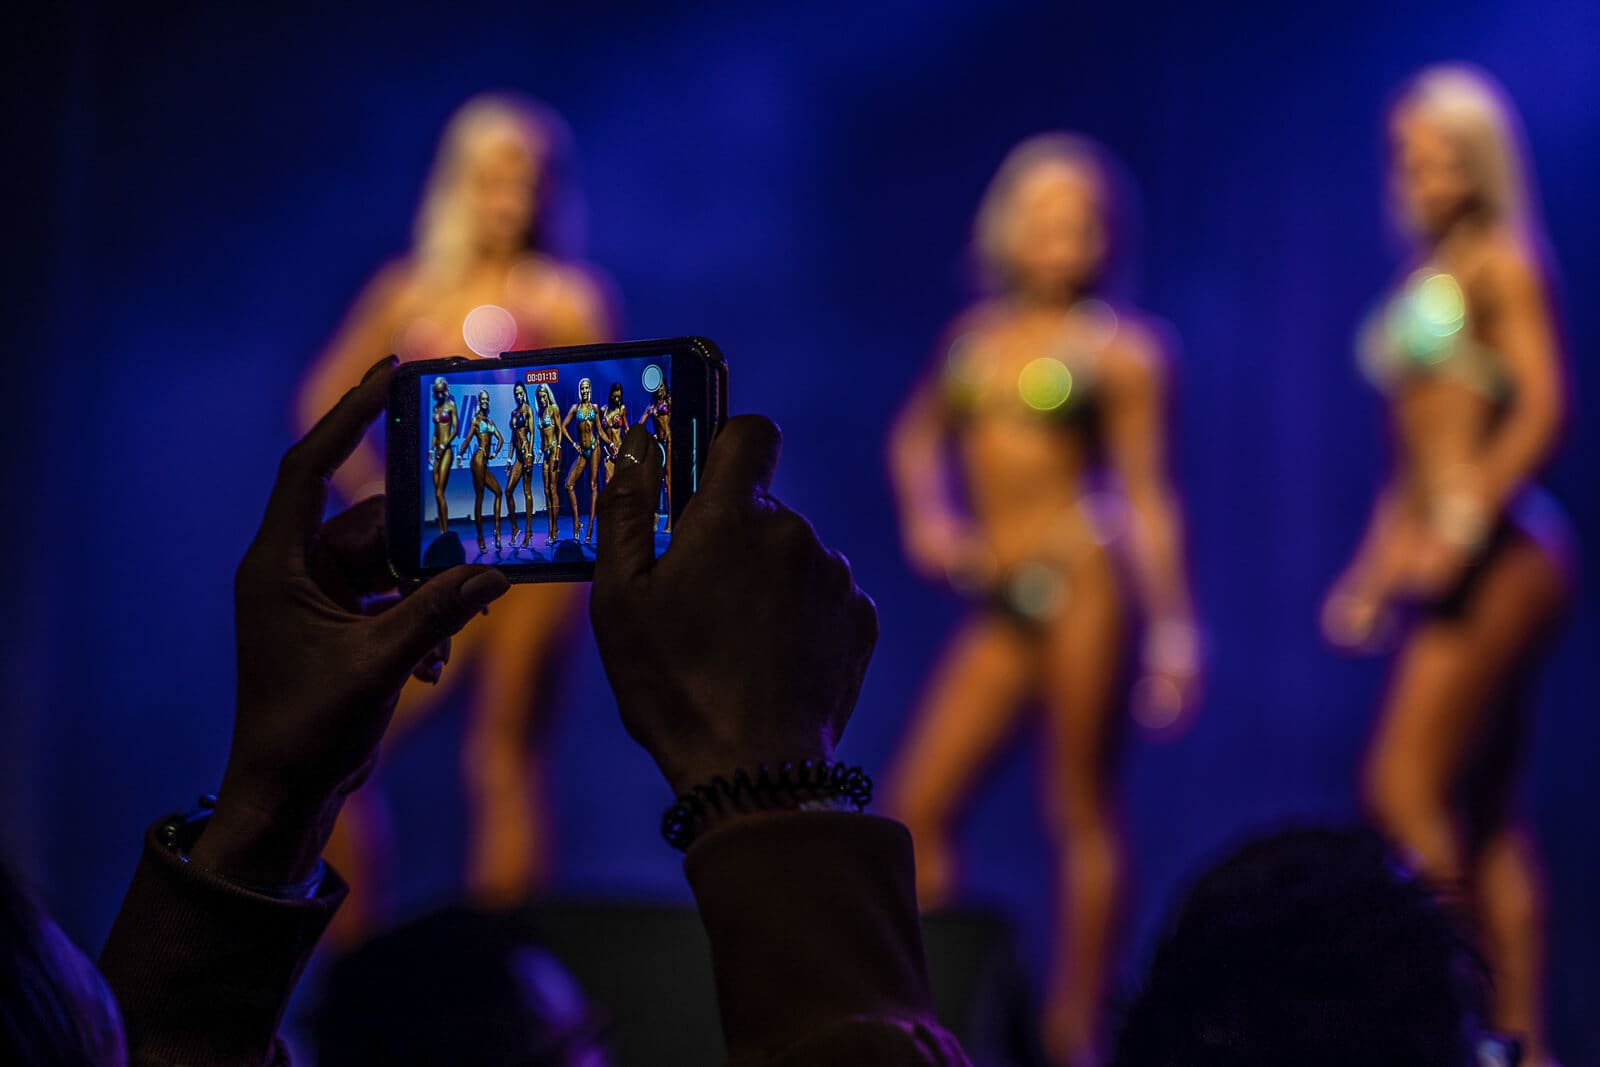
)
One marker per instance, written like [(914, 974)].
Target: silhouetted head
[(1456, 152), (614, 395), (55, 1008), (456, 987), (1307, 947)]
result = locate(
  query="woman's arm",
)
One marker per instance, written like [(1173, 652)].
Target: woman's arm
[(1136, 414), (496, 442), (1519, 326)]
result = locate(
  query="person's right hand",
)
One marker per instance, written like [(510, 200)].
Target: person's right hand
[(747, 641)]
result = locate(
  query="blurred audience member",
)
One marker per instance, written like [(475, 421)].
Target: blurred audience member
[(456, 987), (1314, 948), (492, 268), (1048, 401), (1465, 559), (55, 1009)]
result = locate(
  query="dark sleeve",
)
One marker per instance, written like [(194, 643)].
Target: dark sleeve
[(203, 969), (815, 941)]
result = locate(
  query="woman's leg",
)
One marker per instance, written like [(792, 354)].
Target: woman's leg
[(1455, 671), (479, 471), (527, 503), (552, 496), (666, 475), (508, 831), (572, 494), (594, 495), (494, 487), (1083, 676), (514, 475), (968, 711), (1521, 605), (441, 478)]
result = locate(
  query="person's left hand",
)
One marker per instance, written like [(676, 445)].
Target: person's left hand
[(318, 676)]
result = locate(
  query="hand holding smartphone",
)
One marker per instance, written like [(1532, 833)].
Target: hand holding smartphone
[(500, 461)]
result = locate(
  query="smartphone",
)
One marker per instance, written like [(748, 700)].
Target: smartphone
[(479, 448)]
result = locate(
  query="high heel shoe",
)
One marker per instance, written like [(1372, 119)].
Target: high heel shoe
[(588, 532)]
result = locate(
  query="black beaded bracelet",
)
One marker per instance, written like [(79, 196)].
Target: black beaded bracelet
[(792, 785)]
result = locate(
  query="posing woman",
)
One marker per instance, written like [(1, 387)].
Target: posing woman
[(523, 460), (660, 415), (496, 228), (446, 426), (586, 441), (1463, 557), (486, 437), (613, 424), (1051, 405), (550, 442)]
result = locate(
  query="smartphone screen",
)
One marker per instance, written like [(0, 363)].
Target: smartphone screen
[(510, 454)]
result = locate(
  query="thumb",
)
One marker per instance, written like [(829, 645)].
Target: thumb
[(437, 610), (626, 512)]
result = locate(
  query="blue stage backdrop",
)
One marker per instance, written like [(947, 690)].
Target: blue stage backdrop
[(206, 187)]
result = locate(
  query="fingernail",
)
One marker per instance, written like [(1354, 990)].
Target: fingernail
[(484, 588), (386, 361)]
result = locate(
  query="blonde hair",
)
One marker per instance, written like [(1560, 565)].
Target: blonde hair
[(442, 232), (991, 240), (1480, 121)]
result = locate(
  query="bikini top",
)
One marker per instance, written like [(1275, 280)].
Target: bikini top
[(443, 414), (1058, 385), (518, 420), (614, 418), (586, 416), (1420, 331), (482, 425)]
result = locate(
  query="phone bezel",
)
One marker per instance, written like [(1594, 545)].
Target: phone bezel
[(699, 394)]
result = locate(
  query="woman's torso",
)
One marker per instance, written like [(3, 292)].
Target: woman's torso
[(1022, 392), (444, 415), (550, 430), (1429, 348), (585, 416)]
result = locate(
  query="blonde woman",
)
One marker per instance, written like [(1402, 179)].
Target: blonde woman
[(1463, 558), (550, 447), (490, 234), (1043, 395)]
